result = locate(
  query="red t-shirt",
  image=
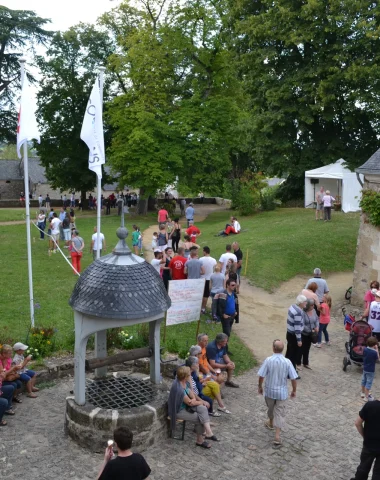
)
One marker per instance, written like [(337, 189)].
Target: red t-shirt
[(177, 267), (162, 215), (193, 231)]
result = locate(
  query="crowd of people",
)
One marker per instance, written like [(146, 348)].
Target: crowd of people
[(15, 377)]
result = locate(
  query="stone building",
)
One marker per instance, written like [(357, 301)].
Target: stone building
[(367, 263)]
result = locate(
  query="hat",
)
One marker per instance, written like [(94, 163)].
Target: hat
[(20, 346), (157, 251)]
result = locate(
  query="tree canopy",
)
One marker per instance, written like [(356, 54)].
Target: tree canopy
[(20, 31), (68, 73)]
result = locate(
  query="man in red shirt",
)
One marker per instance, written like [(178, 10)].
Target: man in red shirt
[(177, 265), (162, 216), (193, 232)]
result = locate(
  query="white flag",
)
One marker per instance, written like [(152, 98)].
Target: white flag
[(92, 131), (27, 127)]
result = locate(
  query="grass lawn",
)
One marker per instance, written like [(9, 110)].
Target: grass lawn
[(287, 242), (281, 244)]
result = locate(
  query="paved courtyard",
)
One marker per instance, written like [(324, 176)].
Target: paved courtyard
[(321, 441)]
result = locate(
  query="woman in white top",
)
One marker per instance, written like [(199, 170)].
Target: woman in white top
[(327, 204), (41, 223)]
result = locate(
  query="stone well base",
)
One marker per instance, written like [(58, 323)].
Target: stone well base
[(91, 426)]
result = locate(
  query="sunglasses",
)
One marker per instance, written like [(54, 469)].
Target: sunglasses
[(232, 284)]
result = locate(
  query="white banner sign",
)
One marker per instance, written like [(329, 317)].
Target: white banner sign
[(186, 297)]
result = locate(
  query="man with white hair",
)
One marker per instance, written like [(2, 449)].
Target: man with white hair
[(276, 370), (295, 323), (322, 284)]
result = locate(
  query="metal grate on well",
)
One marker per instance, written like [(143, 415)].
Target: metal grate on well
[(118, 393)]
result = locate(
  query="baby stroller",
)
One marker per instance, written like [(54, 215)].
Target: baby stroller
[(360, 331)]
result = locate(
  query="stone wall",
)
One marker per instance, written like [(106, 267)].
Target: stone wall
[(367, 262), (11, 189)]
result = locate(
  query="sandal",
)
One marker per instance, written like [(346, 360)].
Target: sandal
[(203, 445), (17, 400), (215, 414), (269, 426), (224, 410), (3, 423), (35, 389), (10, 412), (277, 444), (31, 395), (213, 438)]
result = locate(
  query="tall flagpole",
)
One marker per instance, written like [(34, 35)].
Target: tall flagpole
[(99, 189), (27, 213)]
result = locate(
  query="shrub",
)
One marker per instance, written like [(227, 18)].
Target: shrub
[(41, 341), (169, 206), (370, 204), (133, 340), (268, 199)]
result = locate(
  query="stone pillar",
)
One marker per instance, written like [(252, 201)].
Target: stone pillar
[(367, 261), (80, 360), (101, 351), (155, 343)]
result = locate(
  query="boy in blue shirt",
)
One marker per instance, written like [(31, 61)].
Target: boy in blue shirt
[(370, 356)]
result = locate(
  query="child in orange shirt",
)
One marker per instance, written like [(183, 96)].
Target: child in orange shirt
[(324, 320)]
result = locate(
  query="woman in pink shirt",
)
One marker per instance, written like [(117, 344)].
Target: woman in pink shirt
[(327, 204), (324, 320)]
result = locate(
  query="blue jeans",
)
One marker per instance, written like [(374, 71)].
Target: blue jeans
[(8, 394), (323, 328), (367, 379), (3, 407), (27, 376), (17, 384)]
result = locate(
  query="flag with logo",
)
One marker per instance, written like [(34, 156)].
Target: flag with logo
[(27, 128), (92, 131)]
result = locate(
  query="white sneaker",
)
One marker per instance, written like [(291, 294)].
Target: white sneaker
[(370, 398), (362, 395), (318, 345)]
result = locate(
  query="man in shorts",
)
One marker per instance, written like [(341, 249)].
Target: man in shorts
[(218, 358), (276, 370), (319, 200)]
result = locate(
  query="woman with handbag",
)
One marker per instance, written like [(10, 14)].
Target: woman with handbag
[(76, 249), (183, 405), (309, 335)]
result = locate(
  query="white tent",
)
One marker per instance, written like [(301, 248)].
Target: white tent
[(337, 178)]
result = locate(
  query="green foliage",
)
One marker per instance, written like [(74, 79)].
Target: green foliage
[(248, 198), (20, 31), (268, 200), (312, 74), (370, 204), (182, 98), (136, 338), (68, 73), (41, 342), (170, 206)]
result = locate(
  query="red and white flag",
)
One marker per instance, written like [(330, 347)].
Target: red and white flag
[(27, 128), (92, 131)]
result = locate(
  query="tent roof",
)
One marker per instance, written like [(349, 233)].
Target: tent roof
[(335, 170)]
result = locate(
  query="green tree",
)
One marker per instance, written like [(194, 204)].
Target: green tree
[(178, 114), (68, 73), (312, 71), (20, 31)]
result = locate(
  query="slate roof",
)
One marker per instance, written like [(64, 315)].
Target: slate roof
[(371, 166), (36, 171), (120, 285), (10, 170)]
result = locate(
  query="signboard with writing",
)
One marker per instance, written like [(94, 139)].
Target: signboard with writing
[(186, 297)]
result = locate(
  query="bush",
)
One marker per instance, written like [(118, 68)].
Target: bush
[(134, 339), (169, 205), (268, 199), (41, 341), (292, 189), (370, 204), (248, 201)]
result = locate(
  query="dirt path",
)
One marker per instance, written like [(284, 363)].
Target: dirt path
[(201, 212), (263, 315)]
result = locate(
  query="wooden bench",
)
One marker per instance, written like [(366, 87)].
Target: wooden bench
[(172, 431)]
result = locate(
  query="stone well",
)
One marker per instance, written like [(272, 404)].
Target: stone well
[(117, 290)]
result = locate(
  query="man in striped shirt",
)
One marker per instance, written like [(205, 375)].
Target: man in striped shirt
[(276, 370), (295, 328)]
